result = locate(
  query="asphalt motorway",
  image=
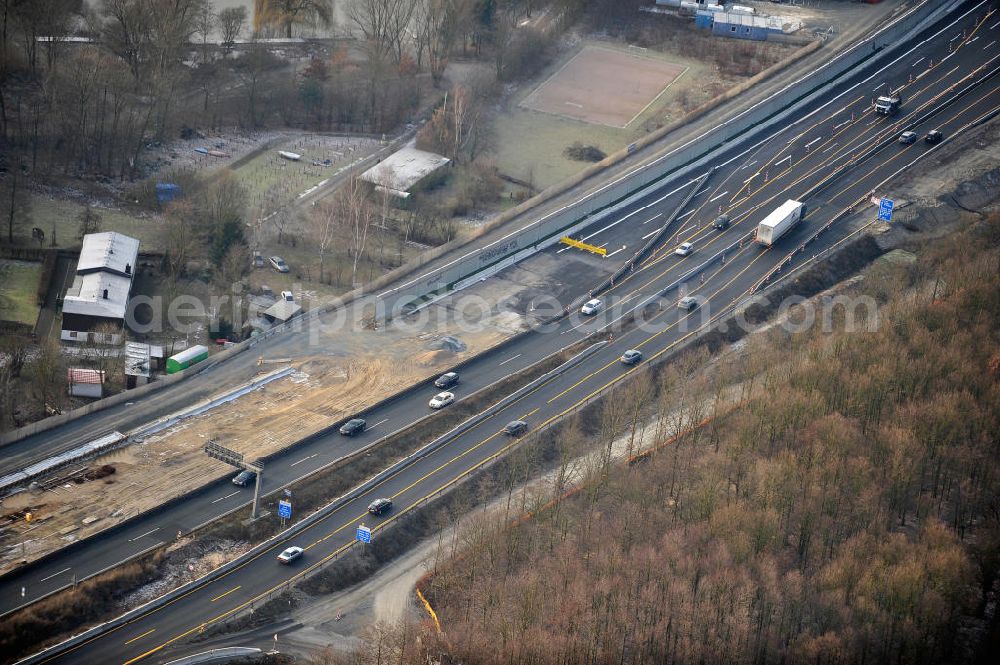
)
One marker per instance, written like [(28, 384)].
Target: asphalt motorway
[(162, 632)]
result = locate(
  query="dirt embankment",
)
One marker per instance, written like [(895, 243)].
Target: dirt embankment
[(108, 595), (323, 390)]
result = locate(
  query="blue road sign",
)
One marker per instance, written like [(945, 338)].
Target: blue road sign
[(285, 509), (364, 534), (885, 209)]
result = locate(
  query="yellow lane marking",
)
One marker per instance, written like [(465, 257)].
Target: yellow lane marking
[(341, 549), (139, 637), (881, 166), (881, 132), (223, 595), (333, 554), (668, 328)]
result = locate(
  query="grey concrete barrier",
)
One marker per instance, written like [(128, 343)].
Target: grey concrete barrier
[(766, 280), (20, 433), (676, 163), (299, 526), (326, 431), (43, 466), (222, 654), (655, 238), (562, 220), (68, 585), (894, 136), (434, 445)]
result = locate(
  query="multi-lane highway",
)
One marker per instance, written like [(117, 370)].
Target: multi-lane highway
[(757, 174)]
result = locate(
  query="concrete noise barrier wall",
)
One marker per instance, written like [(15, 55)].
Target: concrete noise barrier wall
[(677, 163)]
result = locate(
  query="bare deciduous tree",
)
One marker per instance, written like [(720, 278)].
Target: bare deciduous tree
[(231, 23), (90, 221), (437, 27), (204, 23), (355, 214), (15, 204), (48, 377), (384, 24), (285, 14), (176, 236), (250, 69), (323, 231), (453, 125), (234, 265)]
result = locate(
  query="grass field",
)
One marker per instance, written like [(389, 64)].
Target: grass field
[(18, 291), (63, 213), (530, 143)]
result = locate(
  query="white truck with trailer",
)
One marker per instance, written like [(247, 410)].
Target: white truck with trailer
[(779, 222)]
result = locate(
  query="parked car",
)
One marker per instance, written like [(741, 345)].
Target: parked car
[(688, 303), (515, 427), (380, 506), (353, 426), (442, 400), (933, 136), (288, 295), (684, 249), (244, 478), (257, 261), (591, 306), (278, 264), (290, 554), (631, 357), (906, 138), (721, 223), (447, 380)]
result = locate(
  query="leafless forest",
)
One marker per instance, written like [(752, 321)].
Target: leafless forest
[(845, 511)]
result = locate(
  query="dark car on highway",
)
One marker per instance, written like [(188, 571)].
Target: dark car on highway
[(353, 426), (380, 506), (244, 478), (515, 427), (933, 136), (447, 380)]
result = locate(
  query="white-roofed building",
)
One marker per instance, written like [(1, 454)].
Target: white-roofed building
[(108, 252), (100, 291), (405, 171)]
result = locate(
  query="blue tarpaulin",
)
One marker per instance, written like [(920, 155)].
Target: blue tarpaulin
[(167, 192)]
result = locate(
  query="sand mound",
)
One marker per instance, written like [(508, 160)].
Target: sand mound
[(431, 358)]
